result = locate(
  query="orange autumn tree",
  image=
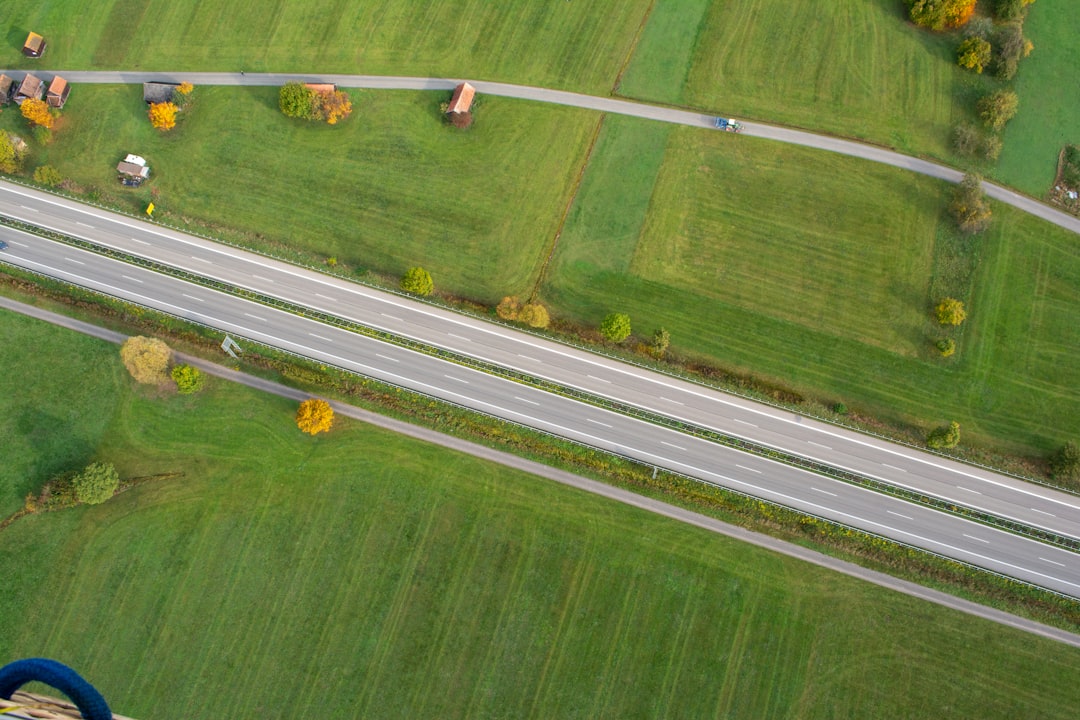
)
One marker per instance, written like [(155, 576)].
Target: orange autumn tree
[(941, 14), (37, 112), (163, 115), (314, 416), (332, 106)]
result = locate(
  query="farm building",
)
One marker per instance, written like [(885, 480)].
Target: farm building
[(31, 88), (58, 92), (133, 170), (7, 87), (321, 88), (156, 92), (34, 45), (462, 99)]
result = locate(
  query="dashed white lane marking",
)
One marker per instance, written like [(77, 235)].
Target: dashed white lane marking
[(16, 242), (1052, 562), (128, 277), (1043, 512), (24, 207), (527, 357), (192, 297), (77, 262), (386, 357), (898, 515), (531, 402), (893, 467), (671, 401), (202, 259), (390, 316), (451, 377), (255, 317), (324, 297), (822, 491), (754, 470), (969, 490), (141, 242), (84, 225), (603, 380), (976, 538), (597, 422), (458, 337), (320, 337), (264, 279), (744, 422), (819, 444), (671, 445)]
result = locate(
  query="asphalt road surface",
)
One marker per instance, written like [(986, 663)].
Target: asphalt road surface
[(591, 102), (954, 482), (947, 535)]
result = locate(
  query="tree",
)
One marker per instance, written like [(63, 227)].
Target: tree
[(534, 315), (1009, 10), (508, 308), (332, 106), (944, 438), (96, 484), (417, 281), (969, 207), (182, 94), (947, 347), (940, 14), (616, 327), (991, 147), (661, 341), (950, 311), (974, 54), (1011, 46), (966, 139), (1065, 463), (297, 100), (10, 155), (314, 416), (48, 175), (147, 359), (37, 112), (188, 379), (163, 115), (998, 108)]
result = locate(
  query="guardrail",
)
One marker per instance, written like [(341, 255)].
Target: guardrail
[(708, 434)]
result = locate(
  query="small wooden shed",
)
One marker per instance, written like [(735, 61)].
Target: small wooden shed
[(158, 92), (58, 92), (34, 45), (31, 88), (7, 89), (462, 99)]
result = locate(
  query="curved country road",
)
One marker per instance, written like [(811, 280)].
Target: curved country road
[(590, 102)]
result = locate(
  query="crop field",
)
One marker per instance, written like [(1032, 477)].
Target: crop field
[(391, 187), (574, 45), (363, 574), (818, 272), (1049, 114)]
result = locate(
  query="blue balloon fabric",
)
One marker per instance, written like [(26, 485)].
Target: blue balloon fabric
[(89, 701)]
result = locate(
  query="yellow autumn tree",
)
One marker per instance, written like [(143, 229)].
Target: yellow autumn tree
[(333, 106), (314, 416), (185, 88), (163, 115), (147, 359), (37, 112)]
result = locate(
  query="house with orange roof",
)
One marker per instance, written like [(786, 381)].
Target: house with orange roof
[(34, 45), (58, 92)]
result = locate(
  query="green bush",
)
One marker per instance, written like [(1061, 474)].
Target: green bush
[(616, 327), (48, 175), (947, 347), (96, 484), (418, 281), (974, 53), (188, 379), (944, 438), (297, 100), (1065, 463), (950, 311)]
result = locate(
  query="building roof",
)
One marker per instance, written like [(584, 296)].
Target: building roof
[(34, 42), (31, 86), (58, 86), (6, 85), (126, 168), (155, 92), (462, 98), (321, 87)]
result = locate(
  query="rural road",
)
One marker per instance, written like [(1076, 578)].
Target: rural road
[(590, 102), (580, 483), (915, 525)]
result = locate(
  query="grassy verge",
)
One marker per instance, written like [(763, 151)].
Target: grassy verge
[(578, 46), (751, 259), (438, 584), (1047, 119), (391, 187)]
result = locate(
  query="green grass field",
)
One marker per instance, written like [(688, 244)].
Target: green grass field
[(391, 187), (574, 45), (362, 574), (818, 272), (1049, 116)]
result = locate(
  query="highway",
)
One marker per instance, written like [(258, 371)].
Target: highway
[(947, 535), (659, 113), (663, 395)]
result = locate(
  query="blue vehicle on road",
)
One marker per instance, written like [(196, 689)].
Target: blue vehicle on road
[(728, 125)]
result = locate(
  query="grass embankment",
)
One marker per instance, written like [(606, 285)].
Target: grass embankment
[(817, 272), (574, 45), (1048, 118), (365, 574), (391, 187)]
